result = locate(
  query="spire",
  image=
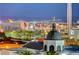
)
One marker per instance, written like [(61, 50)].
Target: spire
[(53, 26), (54, 23)]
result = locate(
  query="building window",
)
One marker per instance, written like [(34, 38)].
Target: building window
[(45, 48), (51, 48)]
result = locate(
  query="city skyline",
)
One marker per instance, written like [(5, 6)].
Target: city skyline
[(35, 11)]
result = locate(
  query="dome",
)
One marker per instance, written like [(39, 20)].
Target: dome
[(53, 34)]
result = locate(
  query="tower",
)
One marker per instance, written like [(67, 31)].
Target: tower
[(69, 18)]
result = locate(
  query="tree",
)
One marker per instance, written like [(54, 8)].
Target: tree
[(25, 52), (50, 52), (2, 35)]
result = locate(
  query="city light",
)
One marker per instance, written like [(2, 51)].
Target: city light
[(1, 30), (10, 20), (9, 46), (0, 22), (50, 31)]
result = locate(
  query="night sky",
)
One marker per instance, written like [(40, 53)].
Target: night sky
[(75, 9), (32, 11)]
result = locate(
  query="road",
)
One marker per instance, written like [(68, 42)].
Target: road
[(7, 52)]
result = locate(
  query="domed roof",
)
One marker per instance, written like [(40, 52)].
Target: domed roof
[(53, 34)]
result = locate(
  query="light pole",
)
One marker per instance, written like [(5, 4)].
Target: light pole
[(69, 18)]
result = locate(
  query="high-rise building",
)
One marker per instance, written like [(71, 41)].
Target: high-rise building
[(69, 18)]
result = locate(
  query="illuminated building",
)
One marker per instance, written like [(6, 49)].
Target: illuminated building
[(69, 18), (23, 25), (14, 25), (10, 26)]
